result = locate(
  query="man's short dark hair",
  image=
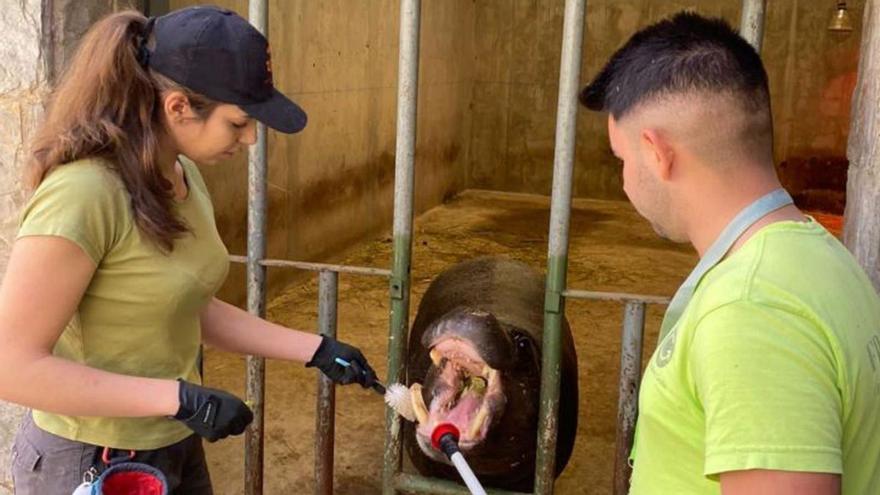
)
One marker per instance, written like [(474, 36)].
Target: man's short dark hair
[(683, 54)]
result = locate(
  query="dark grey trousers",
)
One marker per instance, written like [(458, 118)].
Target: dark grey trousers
[(46, 464)]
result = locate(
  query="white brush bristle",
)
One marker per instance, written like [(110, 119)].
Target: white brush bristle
[(397, 397)]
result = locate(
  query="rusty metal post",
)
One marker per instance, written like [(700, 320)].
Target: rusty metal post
[(258, 14), (328, 283), (557, 249), (628, 398), (404, 170)]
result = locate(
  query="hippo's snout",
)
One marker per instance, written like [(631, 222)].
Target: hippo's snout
[(461, 389)]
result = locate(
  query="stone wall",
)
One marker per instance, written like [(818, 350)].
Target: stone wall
[(22, 88), (38, 38)]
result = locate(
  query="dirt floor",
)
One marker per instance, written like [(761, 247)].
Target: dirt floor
[(612, 249)]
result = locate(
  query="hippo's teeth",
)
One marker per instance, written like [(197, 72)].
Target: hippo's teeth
[(435, 357), (477, 423), (486, 370), (418, 402), (492, 377)]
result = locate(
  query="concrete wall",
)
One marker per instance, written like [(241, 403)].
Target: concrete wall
[(812, 74), (332, 184), (487, 107)]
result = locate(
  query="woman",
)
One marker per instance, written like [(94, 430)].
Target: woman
[(109, 290)]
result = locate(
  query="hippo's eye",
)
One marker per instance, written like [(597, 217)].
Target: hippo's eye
[(527, 355)]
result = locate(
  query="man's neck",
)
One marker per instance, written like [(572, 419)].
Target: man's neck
[(715, 209)]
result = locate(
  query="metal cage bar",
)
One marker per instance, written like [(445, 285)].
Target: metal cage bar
[(751, 26), (628, 391), (407, 101), (557, 251), (325, 417), (316, 267), (614, 296), (258, 14)]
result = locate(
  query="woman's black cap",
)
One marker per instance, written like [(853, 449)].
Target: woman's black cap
[(215, 52)]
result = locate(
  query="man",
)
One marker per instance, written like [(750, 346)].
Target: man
[(767, 374)]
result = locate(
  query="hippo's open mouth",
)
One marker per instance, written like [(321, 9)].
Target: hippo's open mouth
[(466, 392)]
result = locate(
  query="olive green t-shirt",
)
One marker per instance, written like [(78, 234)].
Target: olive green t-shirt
[(775, 364), (139, 315)]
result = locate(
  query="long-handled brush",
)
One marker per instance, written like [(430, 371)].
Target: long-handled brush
[(397, 396)]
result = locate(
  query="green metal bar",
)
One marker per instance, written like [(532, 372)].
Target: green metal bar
[(554, 312), (557, 246), (411, 483), (396, 354), (404, 168)]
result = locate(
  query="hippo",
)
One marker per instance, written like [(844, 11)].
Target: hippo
[(474, 360)]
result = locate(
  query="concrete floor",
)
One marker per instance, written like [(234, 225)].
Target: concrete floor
[(612, 249)]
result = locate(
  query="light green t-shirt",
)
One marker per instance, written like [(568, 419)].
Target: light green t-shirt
[(140, 312), (775, 364)]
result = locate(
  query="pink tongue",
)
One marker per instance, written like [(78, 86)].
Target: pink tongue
[(463, 412)]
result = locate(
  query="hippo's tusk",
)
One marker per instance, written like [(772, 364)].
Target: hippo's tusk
[(418, 402), (492, 377), (477, 423), (435, 357)]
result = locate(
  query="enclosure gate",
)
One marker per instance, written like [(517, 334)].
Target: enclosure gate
[(394, 480)]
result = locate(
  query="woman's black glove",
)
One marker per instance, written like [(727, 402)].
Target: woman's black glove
[(342, 363), (212, 414)]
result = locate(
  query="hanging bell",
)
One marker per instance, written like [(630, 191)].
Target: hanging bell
[(841, 21)]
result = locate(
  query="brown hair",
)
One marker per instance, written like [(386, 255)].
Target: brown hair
[(108, 106)]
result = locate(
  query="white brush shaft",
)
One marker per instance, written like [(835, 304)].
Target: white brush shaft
[(467, 475)]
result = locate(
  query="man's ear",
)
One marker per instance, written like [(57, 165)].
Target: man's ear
[(177, 107), (657, 153)]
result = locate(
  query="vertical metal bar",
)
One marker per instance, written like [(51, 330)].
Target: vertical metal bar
[(751, 25), (628, 398), (557, 251), (258, 13), (407, 100), (326, 410)]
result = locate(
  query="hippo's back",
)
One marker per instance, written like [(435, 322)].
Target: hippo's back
[(510, 290)]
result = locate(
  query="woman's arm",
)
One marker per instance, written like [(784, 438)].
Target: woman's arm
[(44, 282), (231, 329)]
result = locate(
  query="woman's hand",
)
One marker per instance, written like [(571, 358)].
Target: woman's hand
[(342, 363), (212, 414)]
